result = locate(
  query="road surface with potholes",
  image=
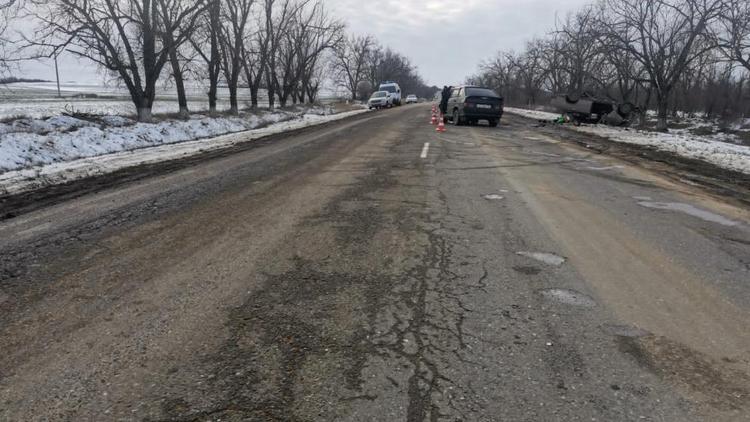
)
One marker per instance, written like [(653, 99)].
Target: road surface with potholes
[(374, 270)]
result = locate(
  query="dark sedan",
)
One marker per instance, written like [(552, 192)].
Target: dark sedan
[(470, 104)]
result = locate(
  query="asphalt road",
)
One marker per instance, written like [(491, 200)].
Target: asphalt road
[(374, 270)]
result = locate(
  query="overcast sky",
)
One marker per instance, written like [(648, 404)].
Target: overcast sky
[(446, 39)]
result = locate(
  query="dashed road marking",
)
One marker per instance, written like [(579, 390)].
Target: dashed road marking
[(425, 149)]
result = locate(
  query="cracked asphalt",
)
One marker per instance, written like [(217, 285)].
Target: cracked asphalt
[(335, 275)]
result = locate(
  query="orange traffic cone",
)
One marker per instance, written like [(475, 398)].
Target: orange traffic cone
[(434, 119), (441, 125)]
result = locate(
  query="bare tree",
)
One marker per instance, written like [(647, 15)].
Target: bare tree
[(232, 36), (350, 60), (529, 69), (174, 35), (316, 32), (576, 42), (123, 37), (205, 41), (498, 73), (663, 36), (256, 51), (8, 9), (734, 31), (279, 15)]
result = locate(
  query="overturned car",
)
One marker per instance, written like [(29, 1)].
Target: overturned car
[(586, 108)]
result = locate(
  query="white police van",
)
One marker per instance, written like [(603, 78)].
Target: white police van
[(393, 90)]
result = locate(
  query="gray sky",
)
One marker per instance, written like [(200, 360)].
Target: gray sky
[(446, 39)]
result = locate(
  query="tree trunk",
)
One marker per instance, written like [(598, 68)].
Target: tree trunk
[(283, 97), (234, 108), (311, 94), (254, 96), (271, 93), (212, 97), (662, 110), (214, 65), (179, 84), (253, 86), (144, 115)]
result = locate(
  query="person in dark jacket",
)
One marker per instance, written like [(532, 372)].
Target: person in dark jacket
[(444, 99)]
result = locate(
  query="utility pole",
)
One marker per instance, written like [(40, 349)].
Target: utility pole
[(57, 74)]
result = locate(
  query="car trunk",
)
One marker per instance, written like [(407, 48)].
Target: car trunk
[(483, 105)]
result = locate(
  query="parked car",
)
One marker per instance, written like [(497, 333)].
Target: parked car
[(412, 99), (470, 104), (379, 99), (393, 90)]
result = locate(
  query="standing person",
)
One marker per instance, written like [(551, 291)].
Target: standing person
[(444, 96)]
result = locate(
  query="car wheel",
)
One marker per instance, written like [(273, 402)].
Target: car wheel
[(494, 122), (457, 118)]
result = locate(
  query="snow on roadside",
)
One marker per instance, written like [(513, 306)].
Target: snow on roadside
[(26, 143), (532, 114), (708, 148), (46, 158)]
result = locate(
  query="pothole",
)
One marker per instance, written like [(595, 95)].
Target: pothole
[(689, 210), (492, 197), (623, 330), (568, 297), (527, 270), (547, 258), (604, 168)]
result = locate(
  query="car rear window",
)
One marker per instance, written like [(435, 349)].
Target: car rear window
[(481, 92)]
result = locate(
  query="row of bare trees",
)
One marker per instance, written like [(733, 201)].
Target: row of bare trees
[(667, 55), (360, 63), (274, 44), (281, 51)]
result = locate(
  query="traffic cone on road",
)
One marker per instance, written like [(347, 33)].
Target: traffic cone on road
[(434, 119), (441, 125)]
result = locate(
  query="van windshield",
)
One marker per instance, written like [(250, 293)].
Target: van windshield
[(389, 88)]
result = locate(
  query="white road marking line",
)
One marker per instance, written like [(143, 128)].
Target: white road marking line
[(425, 149)]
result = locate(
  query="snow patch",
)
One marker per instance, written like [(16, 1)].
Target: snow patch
[(43, 160), (569, 297), (27, 143), (547, 258), (690, 210)]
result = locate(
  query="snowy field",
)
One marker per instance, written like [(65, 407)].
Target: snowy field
[(722, 149), (39, 100)]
